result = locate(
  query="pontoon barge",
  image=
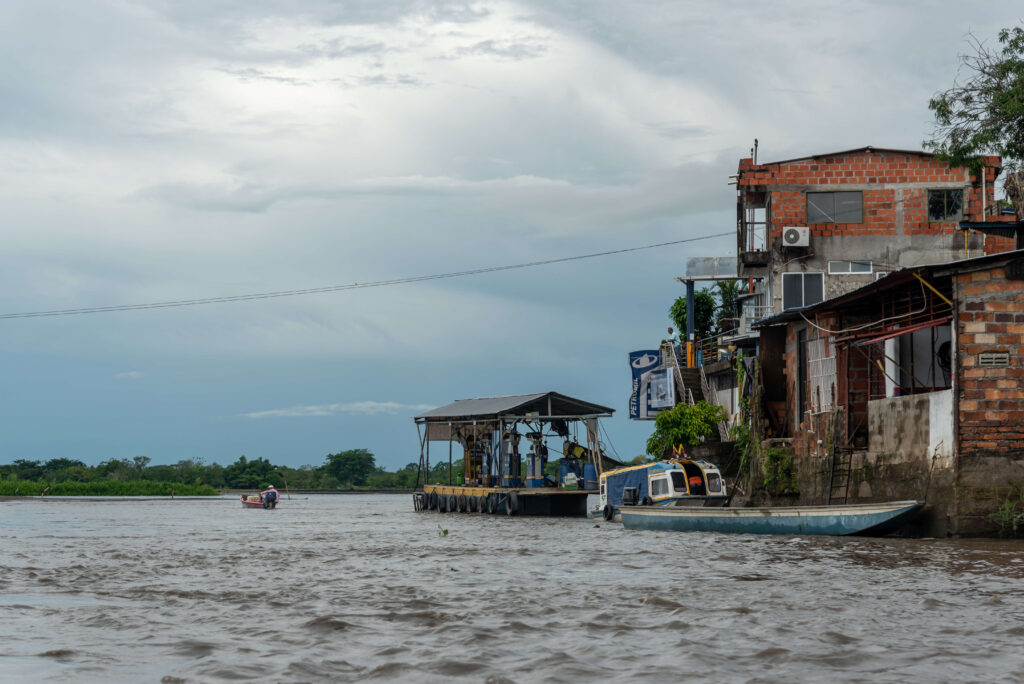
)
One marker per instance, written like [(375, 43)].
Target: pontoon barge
[(495, 477)]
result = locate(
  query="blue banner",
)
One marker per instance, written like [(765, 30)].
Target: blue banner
[(641, 363)]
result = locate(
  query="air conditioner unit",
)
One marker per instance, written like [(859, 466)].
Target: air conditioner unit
[(796, 236)]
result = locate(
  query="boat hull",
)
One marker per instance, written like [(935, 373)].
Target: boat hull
[(256, 504), (854, 519), (680, 502)]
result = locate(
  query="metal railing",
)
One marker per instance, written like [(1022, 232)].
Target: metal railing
[(712, 398)]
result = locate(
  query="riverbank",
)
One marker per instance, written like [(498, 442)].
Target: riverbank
[(19, 488)]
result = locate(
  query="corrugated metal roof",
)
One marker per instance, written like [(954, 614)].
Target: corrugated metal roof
[(869, 148), (892, 280), (515, 405)]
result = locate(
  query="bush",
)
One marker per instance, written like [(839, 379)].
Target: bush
[(779, 477), (103, 488), (1010, 515), (686, 425)]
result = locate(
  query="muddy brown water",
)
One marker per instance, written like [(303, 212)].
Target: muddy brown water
[(345, 588)]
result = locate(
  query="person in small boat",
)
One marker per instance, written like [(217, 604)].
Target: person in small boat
[(269, 497)]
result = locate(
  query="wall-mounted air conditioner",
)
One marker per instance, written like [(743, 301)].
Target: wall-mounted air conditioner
[(796, 236)]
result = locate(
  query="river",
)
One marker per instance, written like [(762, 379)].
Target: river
[(345, 588)]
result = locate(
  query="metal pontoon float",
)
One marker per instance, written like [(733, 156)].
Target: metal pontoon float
[(492, 478)]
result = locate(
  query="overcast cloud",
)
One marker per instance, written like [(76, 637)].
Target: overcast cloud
[(158, 151)]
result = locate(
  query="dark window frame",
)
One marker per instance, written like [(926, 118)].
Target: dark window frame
[(946, 217), (828, 197), (803, 288)]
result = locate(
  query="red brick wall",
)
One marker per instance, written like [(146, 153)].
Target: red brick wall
[(991, 312), (885, 210)]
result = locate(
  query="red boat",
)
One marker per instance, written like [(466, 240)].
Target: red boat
[(248, 502)]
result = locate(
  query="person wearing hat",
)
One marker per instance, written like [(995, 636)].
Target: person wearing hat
[(269, 497)]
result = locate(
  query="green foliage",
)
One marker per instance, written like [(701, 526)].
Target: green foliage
[(439, 471), (1010, 515), (103, 488), (725, 315), (985, 114), (745, 441), (779, 476), (441, 532), (246, 474), (639, 460), (353, 466), (716, 310), (744, 445), (685, 425), (704, 323)]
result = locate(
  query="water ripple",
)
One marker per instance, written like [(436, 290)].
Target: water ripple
[(354, 588)]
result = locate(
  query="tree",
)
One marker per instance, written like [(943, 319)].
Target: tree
[(725, 316), (245, 474), (353, 466), (27, 470), (704, 323), (985, 114), (684, 424)]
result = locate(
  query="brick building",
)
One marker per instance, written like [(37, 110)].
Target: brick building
[(814, 227), (910, 387)]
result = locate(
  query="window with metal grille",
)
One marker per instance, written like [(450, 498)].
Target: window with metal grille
[(945, 205), (993, 359), (821, 374)]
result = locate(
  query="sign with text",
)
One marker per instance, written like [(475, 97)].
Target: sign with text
[(653, 386)]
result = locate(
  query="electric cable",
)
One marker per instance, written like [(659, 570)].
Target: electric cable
[(341, 288)]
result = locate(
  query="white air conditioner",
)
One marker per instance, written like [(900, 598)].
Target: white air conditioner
[(796, 236)]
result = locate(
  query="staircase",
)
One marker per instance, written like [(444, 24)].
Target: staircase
[(691, 387)]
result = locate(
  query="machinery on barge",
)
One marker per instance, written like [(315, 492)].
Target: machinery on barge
[(504, 443)]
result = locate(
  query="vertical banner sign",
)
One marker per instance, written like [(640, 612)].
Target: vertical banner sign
[(662, 394), (641, 363)]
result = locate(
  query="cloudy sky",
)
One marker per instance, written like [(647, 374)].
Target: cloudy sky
[(164, 150)]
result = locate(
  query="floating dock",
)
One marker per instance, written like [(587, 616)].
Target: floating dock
[(494, 476), (495, 500)]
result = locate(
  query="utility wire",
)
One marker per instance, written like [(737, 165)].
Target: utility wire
[(342, 288)]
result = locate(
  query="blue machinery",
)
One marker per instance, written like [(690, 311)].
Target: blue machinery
[(507, 444)]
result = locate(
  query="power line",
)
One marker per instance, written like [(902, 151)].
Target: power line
[(342, 288)]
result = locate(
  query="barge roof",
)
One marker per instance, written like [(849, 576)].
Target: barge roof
[(542, 404)]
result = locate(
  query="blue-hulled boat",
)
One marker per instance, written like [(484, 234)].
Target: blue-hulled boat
[(875, 519), (669, 483)]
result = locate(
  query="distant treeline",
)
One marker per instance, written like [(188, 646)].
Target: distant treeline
[(351, 469)]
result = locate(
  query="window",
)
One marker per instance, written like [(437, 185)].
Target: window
[(659, 487), (714, 483), (945, 205), (678, 481), (849, 267), (835, 207), (802, 289)]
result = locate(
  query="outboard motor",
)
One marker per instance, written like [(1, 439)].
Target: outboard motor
[(630, 496)]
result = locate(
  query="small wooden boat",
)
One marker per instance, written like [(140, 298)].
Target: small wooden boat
[(670, 483), (253, 501), (861, 519)]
